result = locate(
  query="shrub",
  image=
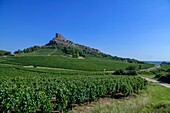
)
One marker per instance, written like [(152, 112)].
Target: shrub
[(119, 72), (157, 76), (165, 78), (125, 72), (168, 70), (140, 67), (2, 53)]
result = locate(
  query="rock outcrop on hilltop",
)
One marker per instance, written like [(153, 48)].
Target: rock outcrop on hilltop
[(59, 41)]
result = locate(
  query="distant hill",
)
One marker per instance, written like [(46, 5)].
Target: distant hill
[(61, 46)]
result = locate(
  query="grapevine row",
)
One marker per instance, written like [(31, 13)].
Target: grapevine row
[(61, 93)]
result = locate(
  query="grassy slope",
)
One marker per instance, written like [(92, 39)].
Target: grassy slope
[(88, 64), (39, 52), (165, 66), (155, 99), (147, 74), (47, 57), (57, 52), (43, 52)]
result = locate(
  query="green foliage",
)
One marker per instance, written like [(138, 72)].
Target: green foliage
[(158, 75), (140, 67), (125, 72), (162, 74), (39, 52), (168, 70), (155, 99), (75, 52), (118, 72), (27, 50), (18, 51), (75, 55), (165, 66), (4, 53), (165, 63), (28, 90), (58, 52), (130, 70), (88, 64)]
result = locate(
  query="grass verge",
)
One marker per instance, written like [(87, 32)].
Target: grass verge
[(156, 99)]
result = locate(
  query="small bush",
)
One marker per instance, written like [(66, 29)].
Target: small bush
[(164, 79), (157, 76), (168, 70), (125, 72), (119, 72)]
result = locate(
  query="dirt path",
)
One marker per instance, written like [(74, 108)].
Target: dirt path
[(49, 68), (52, 52), (153, 80), (159, 82), (152, 68)]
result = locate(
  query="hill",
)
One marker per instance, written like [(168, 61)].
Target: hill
[(64, 54), (61, 46), (61, 43)]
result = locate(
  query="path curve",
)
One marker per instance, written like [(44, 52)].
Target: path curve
[(152, 68), (52, 52), (159, 82)]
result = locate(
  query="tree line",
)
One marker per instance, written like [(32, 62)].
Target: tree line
[(4, 53), (27, 50)]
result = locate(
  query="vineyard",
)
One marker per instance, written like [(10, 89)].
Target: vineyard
[(30, 90), (88, 64)]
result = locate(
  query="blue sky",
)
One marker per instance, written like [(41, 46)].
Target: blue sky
[(137, 29)]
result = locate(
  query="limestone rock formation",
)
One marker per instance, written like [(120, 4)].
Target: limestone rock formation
[(59, 41)]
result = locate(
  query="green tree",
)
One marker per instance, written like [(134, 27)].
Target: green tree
[(3, 52), (18, 51), (75, 55), (7, 53), (65, 50), (140, 66)]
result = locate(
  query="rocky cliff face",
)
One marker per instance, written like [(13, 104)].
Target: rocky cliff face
[(59, 41)]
